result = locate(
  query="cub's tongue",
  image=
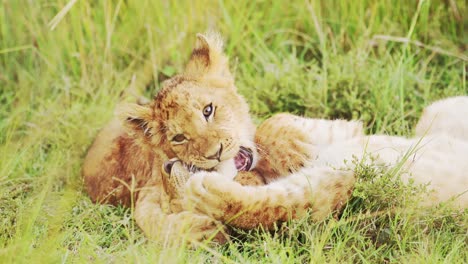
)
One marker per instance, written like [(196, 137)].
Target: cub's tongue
[(243, 159)]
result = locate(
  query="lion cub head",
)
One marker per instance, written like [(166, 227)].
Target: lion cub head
[(198, 116)]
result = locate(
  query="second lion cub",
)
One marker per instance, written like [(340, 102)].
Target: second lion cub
[(319, 179)]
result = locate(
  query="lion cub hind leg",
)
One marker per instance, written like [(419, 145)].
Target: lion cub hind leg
[(288, 143), (311, 130)]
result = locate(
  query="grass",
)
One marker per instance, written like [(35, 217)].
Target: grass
[(64, 65)]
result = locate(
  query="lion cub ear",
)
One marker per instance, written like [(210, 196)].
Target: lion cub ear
[(136, 118), (207, 59)]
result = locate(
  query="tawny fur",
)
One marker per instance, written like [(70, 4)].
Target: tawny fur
[(307, 170), (124, 163)]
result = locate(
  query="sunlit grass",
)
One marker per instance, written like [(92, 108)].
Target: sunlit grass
[(62, 71)]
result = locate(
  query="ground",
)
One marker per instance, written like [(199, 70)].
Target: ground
[(64, 65)]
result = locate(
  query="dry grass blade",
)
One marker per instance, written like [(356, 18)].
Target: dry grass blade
[(60, 15), (421, 45)]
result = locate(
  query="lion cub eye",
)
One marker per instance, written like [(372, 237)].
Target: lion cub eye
[(179, 138), (208, 111)]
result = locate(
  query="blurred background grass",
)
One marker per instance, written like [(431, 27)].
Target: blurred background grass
[(64, 65)]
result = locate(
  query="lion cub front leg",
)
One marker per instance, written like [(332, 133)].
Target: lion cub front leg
[(249, 178), (154, 216), (322, 190)]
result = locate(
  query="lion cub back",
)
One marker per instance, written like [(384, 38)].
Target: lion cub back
[(113, 162)]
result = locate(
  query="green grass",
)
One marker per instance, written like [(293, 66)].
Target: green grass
[(61, 78)]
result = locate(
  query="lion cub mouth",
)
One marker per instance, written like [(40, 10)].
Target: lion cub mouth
[(244, 159), (243, 162)]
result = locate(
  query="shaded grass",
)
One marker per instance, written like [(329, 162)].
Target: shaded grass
[(58, 87)]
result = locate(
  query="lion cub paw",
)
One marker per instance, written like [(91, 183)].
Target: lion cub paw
[(209, 193), (175, 176)]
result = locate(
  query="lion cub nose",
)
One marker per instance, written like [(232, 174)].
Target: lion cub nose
[(217, 155)]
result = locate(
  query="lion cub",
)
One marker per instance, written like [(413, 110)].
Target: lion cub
[(197, 117)]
